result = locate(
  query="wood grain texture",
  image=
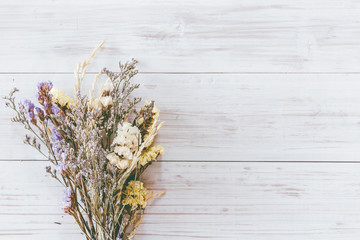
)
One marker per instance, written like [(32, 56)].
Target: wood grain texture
[(203, 201), (235, 80), (182, 36), (239, 117)]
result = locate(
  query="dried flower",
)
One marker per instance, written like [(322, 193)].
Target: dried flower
[(40, 113), (45, 86), (43, 94), (99, 147), (61, 98), (56, 136), (66, 202), (135, 194), (127, 135), (54, 109), (126, 144), (107, 88), (48, 169), (28, 109), (96, 104), (115, 160), (106, 101), (27, 105), (61, 167), (151, 154)]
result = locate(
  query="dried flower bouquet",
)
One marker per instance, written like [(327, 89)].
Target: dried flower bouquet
[(99, 147)]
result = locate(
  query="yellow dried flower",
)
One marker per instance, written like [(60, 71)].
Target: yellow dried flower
[(61, 98), (151, 154), (135, 194)]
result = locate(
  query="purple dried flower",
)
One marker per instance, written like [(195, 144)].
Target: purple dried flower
[(56, 136), (45, 86), (28, 109), (61, 167), (66, 199), (31, 117), (27, 105), (39, 110), (56, 148), (40, 113), (47, 106), (44, 96), (55, 109)]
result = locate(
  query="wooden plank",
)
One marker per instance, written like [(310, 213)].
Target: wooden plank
[(233, 117), (182, 36), (252, 117), (203, 200)]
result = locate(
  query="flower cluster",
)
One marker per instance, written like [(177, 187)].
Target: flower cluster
[(135, 195), (44, 97), (67, 201), (99, 147), (104, 100), (151, 154), (61, 98), (125, 145), (28, 108)]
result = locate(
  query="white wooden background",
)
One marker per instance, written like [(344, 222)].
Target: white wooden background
[(261, 100)]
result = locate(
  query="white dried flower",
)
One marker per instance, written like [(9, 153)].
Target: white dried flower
[(107, 87), (123, 152), (120, 140), (113, 158), (126, 144), (123, 164), (106, 101), (130, 133), (96, 104), (133, 142), (126, 128)]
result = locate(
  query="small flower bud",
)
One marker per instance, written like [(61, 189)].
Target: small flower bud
[(48, 169)]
